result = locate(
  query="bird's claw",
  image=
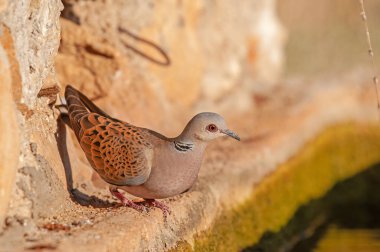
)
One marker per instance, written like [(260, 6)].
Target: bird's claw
[(164, 208), (126, 202), (135, 206), (141, 206)]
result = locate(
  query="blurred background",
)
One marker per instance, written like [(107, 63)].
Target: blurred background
[(327, 37)]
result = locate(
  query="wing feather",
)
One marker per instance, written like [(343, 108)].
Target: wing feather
[(119, 152)]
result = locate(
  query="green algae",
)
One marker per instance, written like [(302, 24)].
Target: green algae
[(350, 208), (336, 154)]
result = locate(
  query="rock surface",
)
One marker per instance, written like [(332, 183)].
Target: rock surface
[(216, 50), (29, 36), (9, 131)]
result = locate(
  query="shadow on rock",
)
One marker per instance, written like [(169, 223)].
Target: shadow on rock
[(76, 195)]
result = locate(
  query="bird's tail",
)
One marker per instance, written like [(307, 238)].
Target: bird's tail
[(78, 105), (75, 107)]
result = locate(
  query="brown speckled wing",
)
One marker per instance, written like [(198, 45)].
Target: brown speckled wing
[(119, 152)]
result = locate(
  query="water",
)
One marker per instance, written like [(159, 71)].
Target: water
[(342, 239), (346, 219)]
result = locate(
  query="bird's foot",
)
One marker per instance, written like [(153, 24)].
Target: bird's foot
[(164, 208), (131, 204), (126, 202)]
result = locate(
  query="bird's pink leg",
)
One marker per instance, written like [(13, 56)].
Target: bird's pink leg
[(154, 203), (125, 201)]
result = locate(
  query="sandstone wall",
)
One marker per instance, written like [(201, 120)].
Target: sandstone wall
[(29, 40), (219, 54), (216, 50)]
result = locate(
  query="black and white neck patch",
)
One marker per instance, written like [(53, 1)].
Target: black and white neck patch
[(183, 147)]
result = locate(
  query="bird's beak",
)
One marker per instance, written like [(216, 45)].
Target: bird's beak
[(230, 133)]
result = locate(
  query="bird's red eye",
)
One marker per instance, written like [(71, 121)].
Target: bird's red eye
[(212, 128)]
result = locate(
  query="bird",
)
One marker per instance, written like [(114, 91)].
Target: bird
[(140, 161)]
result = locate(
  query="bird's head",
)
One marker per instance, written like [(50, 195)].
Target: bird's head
[(207, 126)]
